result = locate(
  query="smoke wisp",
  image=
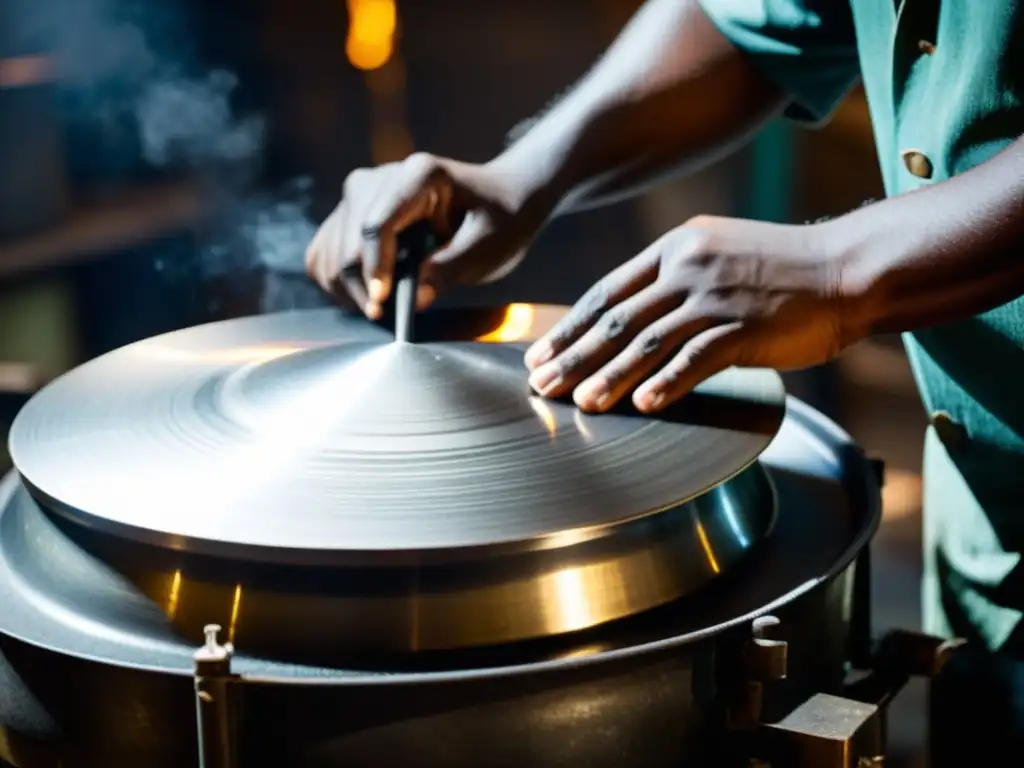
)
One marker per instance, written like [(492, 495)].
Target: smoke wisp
[(130, 75), (190, 123)]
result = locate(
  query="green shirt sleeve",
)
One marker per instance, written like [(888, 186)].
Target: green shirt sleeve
[(806, 47)]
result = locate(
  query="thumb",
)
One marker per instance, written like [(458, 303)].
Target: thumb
[(476, 254)]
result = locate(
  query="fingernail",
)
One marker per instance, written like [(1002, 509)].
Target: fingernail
[(376, 290), (373, 311), (649, 400), (538, 354), (425, 296), (546, 379), (592, 395)]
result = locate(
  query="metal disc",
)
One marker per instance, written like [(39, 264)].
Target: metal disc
[(57, 596), (311, 437)]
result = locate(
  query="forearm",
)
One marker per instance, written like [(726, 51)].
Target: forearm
[(939, 254), (671, 94)]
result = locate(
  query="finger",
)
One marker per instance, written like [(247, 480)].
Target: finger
[(351, 281), (452, 264), (702, 357), (648, 350), (417, 198), (361, 187), (380, 242), (474, 255), (350, 272), (603, 341), (318, 251), (633, 276)]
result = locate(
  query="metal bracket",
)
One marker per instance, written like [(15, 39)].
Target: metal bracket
[(849, 731), (827, 732), (765, 661), (215, 714)]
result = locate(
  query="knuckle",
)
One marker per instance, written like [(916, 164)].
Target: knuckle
[(615, 373), (694, 247), (353, 180), (613, 324), (593, 304), (714, 307), (583, 315), (420, 164), (701, 221), (648, 342), (349, 263), (570, 361)]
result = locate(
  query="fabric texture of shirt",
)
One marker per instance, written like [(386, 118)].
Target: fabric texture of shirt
[(944, 80)]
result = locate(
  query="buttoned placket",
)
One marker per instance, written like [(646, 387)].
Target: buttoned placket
[(915, 30)]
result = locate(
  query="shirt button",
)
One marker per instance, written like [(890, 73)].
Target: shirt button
[(918, 164), (950, 433), (926, 47)]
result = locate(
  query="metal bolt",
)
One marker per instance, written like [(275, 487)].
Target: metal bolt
[(767, 655), (212, 650), (210, 632), (763, 628)]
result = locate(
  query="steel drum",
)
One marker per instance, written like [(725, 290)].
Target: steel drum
[(417, 562), (368, 494)]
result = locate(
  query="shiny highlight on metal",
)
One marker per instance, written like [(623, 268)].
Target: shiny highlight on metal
[(315, 488)]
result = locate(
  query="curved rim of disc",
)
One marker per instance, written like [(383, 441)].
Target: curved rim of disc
[(173, 656), (397, 557)]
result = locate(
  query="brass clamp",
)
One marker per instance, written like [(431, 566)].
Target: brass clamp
[(765, 661), (848, 731)]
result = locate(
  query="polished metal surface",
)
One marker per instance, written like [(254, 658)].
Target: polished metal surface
[(299, 612), (269, 462), (308, 438), (58, 594), (81, 646)]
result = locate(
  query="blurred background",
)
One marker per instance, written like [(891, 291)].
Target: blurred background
[(164, 163)]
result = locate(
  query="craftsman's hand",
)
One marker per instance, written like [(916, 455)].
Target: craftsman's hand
[(709, 295), (476, 210)]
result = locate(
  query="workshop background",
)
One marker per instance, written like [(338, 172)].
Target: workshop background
[(164, 162)]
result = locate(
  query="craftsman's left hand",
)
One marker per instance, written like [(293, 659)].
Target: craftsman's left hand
[(709, 295)]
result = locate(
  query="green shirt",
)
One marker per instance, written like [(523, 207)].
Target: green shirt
[(944, 81)]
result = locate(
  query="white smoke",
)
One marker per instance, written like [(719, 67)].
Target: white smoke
[(191, 123), (278, 233), (120, 70)]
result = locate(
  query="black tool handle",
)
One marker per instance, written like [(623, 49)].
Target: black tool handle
[(415, 245)]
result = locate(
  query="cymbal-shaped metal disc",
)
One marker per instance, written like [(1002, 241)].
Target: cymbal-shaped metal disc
[(312, 438)]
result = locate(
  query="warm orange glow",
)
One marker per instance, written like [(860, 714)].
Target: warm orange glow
[(569, 586), (587, 650), (515, 326), (705, 544), (546, 415), (371, 33), (390, 143), (901, 495), (388, 81), (25, 71), (236, 609), (174, 595)]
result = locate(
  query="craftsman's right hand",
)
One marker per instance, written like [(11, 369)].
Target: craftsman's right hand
[(477, 211)]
